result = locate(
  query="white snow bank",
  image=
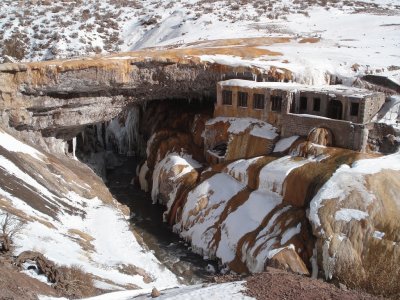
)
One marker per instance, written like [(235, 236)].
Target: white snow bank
[(113, 242), (83, 232), (12, 144), (229, 290), (239, 125)]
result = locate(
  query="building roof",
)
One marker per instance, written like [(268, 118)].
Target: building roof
[(335, 90)]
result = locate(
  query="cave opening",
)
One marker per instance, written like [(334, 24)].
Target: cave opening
[(116, 149)]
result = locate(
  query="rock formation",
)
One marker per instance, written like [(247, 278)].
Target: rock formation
[(354, 217), (230, 187)]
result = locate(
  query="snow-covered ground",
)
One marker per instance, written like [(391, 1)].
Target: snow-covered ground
[(230, 290), (69, 223), (341, 38)]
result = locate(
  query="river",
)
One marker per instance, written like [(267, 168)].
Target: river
[(146, 220)]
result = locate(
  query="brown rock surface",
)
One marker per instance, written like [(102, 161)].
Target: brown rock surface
[(287, 259), (15, 285), (240, 143), (355, 220), (276, 284)]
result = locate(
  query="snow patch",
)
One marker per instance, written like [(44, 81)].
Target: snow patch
[(348, 214), (284, 144), (11, 144)]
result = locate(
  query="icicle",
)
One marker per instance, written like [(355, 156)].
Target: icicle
[(132, 131), (74, 147)]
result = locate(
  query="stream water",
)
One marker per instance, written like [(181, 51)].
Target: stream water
[(146, 219)]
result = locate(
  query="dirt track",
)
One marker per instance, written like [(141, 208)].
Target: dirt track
[(276, 284)]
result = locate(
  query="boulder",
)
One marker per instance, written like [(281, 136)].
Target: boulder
[(287, 259)]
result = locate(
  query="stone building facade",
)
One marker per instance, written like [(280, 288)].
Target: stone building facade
[(298, 109)]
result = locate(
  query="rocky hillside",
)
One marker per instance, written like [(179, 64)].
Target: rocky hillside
[(42, 30), (70, 217)]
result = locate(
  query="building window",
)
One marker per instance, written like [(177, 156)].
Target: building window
[(242, 99), (317, 104), (276, 103), (227, 97), (354, 109), (258, 101), (303, 103)]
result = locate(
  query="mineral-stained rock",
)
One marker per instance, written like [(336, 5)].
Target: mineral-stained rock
[(171, 177), (320, 136), (228, 139), (288, 259), (58, 96), (355, 219), (243, 228)]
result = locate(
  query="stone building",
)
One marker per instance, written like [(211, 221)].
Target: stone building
[(297, 109)]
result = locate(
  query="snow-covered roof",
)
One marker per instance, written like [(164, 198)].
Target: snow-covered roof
[(292, 87)]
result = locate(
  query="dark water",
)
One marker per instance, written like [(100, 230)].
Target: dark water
[(146, 220)]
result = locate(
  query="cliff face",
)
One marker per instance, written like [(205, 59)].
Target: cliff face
[(59, 97)]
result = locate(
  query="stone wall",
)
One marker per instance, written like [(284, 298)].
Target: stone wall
[(266, 114), (345, 134), (372, 105)]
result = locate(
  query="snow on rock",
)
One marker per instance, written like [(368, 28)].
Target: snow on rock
[(240, 226), (12, 144), (203, 208), (347, 179), (239, 169), (284, 144), (268, 240), (350, 215), (170, 174), (246, 218), (239, 125), (243, 137), (72, 218), (290, 233), (272, 176)]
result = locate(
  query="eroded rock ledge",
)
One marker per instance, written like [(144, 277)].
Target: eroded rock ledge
[(59, 97)]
